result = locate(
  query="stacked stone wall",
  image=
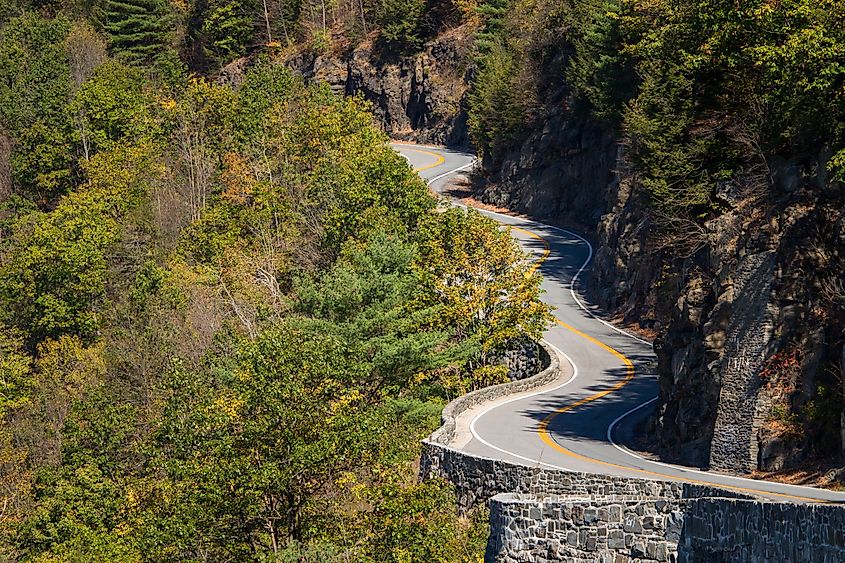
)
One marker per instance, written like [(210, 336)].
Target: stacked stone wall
[(733, 530), (574, 529), (582, 530), (742, 407), (477, 479)]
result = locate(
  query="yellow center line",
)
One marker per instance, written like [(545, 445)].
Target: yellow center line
[(546, 249), (543, 427), (439, 159)]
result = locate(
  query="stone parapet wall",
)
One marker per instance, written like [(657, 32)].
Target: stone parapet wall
[(733, 530), (446, 433), (574, 529), (581, 530), (477, 479)]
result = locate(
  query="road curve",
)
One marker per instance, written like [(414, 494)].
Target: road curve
[(578, 424)]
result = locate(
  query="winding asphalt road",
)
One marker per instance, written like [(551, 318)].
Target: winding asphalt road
[(579, 423)]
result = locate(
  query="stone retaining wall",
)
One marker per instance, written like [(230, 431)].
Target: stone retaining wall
[(574, 529), (742, 408), (731, 530), (582, 530)]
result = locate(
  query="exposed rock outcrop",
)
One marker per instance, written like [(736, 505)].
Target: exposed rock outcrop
[(748, 307), (560, 173), (418, 98)]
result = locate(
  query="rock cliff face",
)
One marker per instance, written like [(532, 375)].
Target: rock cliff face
[(418, 98), (564, 163), (560, 173), (748, 308), (749, 315)]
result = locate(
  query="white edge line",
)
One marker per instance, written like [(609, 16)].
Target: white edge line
[(709, 474), (618, 419), (464, 167), (519, 398)]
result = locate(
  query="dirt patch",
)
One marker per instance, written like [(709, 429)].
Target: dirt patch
[(812, 475)]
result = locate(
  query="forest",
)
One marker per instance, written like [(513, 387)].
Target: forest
[(228, 314)]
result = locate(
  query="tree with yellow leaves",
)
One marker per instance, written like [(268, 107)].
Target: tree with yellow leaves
[(488, 288)]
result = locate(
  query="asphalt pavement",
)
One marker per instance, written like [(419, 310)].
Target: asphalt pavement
[(608, 383)]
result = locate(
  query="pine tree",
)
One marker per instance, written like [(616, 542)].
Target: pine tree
[(492, 14), (139, 30)]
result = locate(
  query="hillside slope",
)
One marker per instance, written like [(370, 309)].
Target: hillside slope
[(706, 159)]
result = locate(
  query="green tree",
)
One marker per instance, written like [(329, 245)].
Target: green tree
[(725, 87), (139, 30), (80, 505), (34, 109), (419, 522), (498, 101), (356, 184), (260, 438), (228, 28), (265, 85), (371, 300), (492, 14), (489, 293), (113, 108), (401, 24), (600, 71), (54, 276), (16, 378)]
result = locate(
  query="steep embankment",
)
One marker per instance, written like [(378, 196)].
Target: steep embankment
[(746, 315), (719, 222)]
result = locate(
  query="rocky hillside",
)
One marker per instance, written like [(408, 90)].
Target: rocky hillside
[(715, 202), (748, 313), (419, 97)]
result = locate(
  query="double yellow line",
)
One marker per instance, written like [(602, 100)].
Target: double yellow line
[(543, 427), (438, 159)]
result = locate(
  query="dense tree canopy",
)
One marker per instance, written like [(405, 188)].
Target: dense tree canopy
[(704, 93), (227, 314), (139, 30)]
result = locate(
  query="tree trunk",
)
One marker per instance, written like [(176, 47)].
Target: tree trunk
[(267, 23), (842, 415)]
